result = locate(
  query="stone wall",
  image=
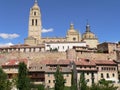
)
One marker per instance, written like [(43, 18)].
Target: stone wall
[(96, 56), (36, 55)]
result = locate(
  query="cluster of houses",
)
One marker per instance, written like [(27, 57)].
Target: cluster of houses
[(42, 72)]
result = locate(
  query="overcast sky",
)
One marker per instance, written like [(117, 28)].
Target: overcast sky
[(102, 15)]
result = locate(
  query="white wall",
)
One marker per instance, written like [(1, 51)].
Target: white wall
[(63, 46)]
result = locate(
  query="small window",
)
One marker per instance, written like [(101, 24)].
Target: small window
[(48, 81), (101, 75), (32, 22), (87, 73), (113, 75), (35, 13), (36, 22), (107, 75), (74, 39)]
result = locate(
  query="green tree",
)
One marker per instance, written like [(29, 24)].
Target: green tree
[(59, 80), (107, 85), (103, 85), (5, 84), (83, 82), (23, 82), (41, 87), (73, 83)]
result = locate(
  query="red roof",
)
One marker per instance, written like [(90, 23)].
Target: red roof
[(14, 62), (54, 62), (104, 62), (85, 62)]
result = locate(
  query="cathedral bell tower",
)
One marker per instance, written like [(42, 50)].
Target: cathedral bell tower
[(35, 25)]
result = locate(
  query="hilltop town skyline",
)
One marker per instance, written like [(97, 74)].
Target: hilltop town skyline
[(102, 16)]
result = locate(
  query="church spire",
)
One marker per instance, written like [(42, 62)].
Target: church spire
[(87, 27)]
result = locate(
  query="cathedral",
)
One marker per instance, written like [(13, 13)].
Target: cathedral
[(35, 30)]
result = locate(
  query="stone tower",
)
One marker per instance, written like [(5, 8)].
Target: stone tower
[(35, 26)]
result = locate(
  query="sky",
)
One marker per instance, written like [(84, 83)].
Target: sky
[(102, 15)]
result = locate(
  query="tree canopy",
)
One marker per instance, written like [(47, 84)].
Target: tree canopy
[(23, 82), (5, 84), (59, 80)]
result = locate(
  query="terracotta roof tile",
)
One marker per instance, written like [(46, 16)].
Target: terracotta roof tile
[(55, 62), (14, 62), (85, 62), (104, 62)]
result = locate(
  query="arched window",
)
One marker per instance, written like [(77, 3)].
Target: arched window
[(36, 22), (32, 22), (34, 13)]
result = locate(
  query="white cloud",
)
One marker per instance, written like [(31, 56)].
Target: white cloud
[(8, 36), (47, 30), (6, 44)]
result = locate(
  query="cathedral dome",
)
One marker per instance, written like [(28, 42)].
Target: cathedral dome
[(72, 31), (88, 34)]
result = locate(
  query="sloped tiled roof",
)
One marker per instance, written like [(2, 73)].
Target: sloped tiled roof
[(14, 62), (85, 62), (55, 62), (104, 62)]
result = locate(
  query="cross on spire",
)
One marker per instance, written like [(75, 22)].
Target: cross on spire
[(36, 1)]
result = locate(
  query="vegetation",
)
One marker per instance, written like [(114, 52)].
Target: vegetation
[(59, 80), (5, 84), (23, 82), (73, 83), (103, 85), (83, 82), (53, 50)]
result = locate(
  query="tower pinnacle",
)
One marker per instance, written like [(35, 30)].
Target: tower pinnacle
[(71, 26), (36, 1), (87, 27)]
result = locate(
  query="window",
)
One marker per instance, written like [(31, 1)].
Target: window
[(63, 47), (107, 75), (35, 13), (32, 22), (68, 47), (101, 75), (113, 75), (48, 81), (36, 22), (53, 81), (102, 68), (97, 68), (87, 73), (74, 39)]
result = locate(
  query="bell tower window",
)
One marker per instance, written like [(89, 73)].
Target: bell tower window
[(34, 13), (36, 22), (32, 22)]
